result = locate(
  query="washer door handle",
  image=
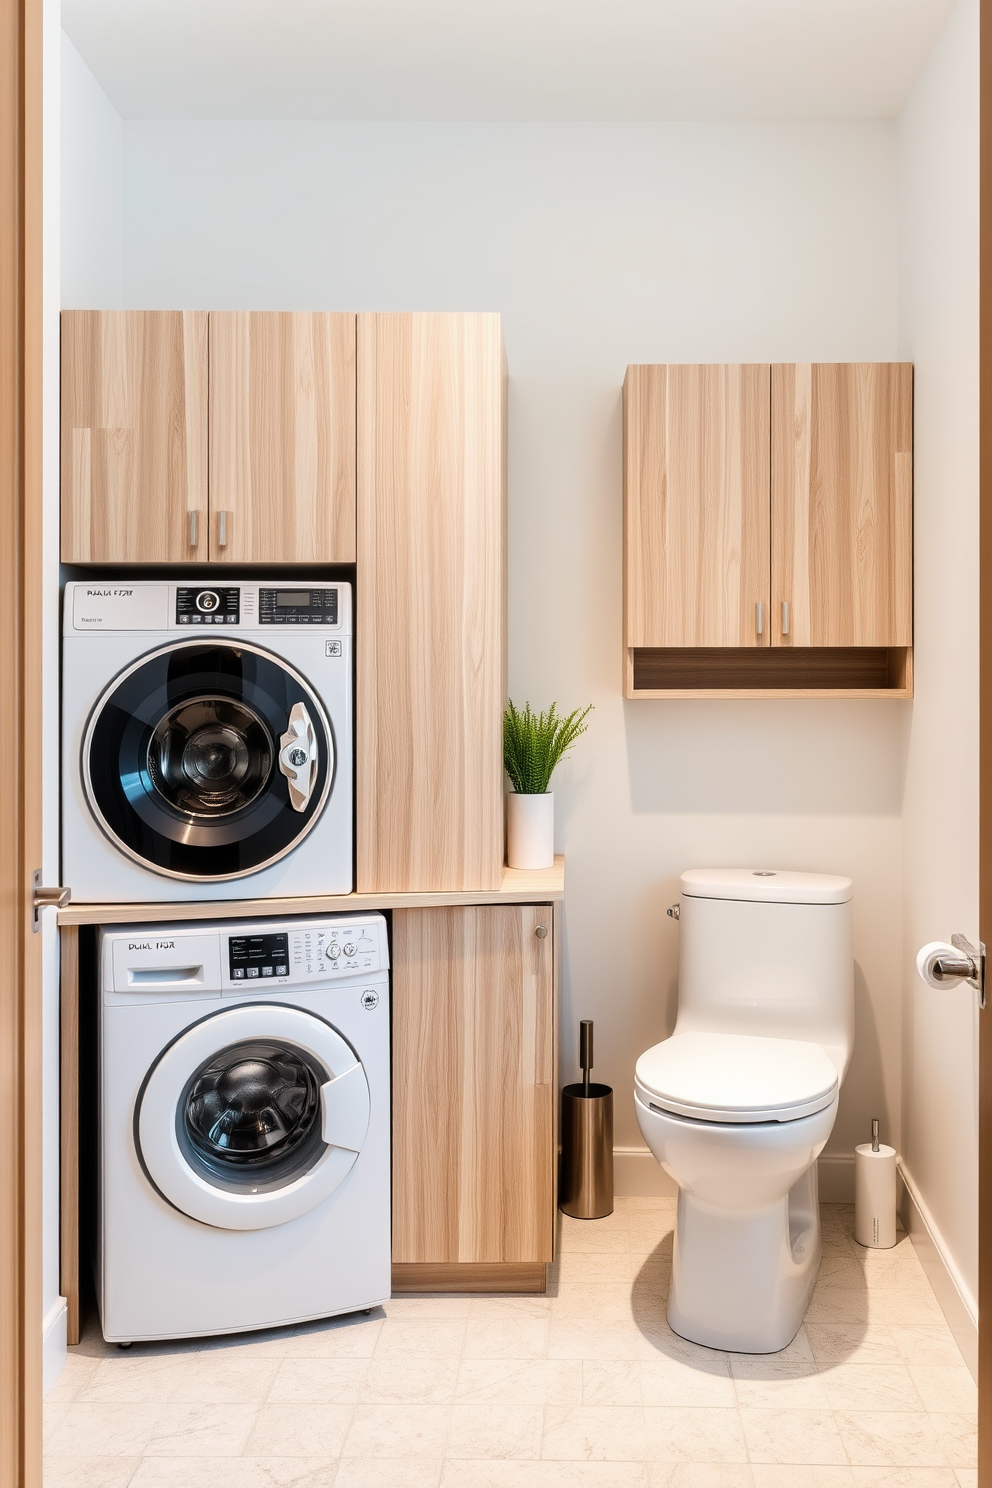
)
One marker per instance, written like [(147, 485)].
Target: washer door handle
[(298, 757), (345, 1109)]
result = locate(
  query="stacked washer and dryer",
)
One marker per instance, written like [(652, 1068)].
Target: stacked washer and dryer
[(244, 1164)]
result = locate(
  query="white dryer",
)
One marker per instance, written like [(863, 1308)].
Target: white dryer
[(244, 1165), (206, 739)]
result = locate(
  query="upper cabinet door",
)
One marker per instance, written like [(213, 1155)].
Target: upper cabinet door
[(696, 506), (282, 437), (134, 436), (842, 504), (431, 622)]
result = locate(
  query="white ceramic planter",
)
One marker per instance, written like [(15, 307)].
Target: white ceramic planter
[(530, 830)]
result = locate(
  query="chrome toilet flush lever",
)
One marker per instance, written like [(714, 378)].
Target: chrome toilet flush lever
[(672, 911)]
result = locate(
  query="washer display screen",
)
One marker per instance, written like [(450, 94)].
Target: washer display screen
[(182, 759)]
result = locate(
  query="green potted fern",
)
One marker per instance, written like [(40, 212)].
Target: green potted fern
[(533, 744)]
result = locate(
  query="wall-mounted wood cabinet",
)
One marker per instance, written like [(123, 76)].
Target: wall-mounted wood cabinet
[(431, 603), (146, 393), (474, 1092), (134, 436), (768, 530), (282, 437)]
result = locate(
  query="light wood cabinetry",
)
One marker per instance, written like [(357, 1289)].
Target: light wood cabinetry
[(431, 624), (842, 504), (696, 512), (820, 534), (473, 1096), (282, 437), (134, 436)]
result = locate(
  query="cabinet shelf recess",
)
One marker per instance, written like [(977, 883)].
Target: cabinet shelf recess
[(852, 670)]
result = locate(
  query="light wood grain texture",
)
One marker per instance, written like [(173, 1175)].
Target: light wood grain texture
[(518, 886), (134, 435), (473, 1091), (431, 602), (21, 627), (467, 1276), (696, 505), (842, 508), (69, 1129), (282, 436), (857, 670)]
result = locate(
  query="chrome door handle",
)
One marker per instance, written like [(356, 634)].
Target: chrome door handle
[(46, 898), (222, 517), (298, 757)]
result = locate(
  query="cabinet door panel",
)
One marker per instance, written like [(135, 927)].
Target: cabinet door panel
[(134, 436), (431, 622), (473, 1085), (842, 497), (282, 437), (696, 505)]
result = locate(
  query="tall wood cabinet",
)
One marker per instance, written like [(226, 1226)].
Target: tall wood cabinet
[(146, 393), (134, 436), (474, 1092), (431, 603), (768, 541)]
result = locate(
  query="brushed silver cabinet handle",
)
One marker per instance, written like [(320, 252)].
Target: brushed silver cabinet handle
[(222, 517), (541, 932), (194, 528), (761, 617), (785, 617)]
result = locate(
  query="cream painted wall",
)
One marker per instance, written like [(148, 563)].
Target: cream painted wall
[(600, 245), (91, 188), (938, 320)]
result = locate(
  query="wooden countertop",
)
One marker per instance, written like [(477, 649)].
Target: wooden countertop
[(541, 886)]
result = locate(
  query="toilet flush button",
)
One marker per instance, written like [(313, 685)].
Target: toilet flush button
[(763, 873)]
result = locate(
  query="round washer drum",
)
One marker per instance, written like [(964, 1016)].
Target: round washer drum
[(184, 760), (252, 1116)]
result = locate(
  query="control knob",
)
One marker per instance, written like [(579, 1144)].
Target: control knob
[(334, 951), (350, 948)]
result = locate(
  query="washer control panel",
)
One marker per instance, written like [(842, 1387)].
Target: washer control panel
[(303, 952), (256, 957), (219, 606)]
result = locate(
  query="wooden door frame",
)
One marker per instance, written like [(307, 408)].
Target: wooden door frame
[(20, 764)]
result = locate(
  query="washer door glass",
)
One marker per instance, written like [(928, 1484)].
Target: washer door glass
[(252, 1116), (208, 760)]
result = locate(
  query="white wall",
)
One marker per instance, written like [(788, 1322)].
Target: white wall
[(92, 137), (600, 245), (938, 330)]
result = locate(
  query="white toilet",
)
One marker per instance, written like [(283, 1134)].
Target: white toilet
[(738, 1104)]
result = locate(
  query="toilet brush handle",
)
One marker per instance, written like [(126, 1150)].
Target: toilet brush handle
[(585, 1052)]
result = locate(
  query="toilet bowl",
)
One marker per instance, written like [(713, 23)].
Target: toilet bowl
[(739, 1102)]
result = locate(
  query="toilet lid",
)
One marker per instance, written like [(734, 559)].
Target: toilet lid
[(736, 1077)]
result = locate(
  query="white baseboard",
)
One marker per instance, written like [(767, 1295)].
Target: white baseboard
[(53, 1346), (949, 1286), (638, 1174), (835, 1177)]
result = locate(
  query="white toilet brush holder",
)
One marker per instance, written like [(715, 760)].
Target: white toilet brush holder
[(875, 1193)]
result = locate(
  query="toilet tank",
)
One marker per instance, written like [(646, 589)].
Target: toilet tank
[(767, 953)]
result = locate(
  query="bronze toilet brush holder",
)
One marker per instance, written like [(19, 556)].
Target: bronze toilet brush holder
[(585, 1180)]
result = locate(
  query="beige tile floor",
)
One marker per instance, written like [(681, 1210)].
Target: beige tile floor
[(586, 1387)]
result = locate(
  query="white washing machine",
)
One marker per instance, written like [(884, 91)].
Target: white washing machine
[(244, 1166), (206, 739)]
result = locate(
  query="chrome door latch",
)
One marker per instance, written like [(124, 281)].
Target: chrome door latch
[(298, 757), (46, 898)]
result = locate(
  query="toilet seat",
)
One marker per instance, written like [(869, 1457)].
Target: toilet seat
[(736, 1078)]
